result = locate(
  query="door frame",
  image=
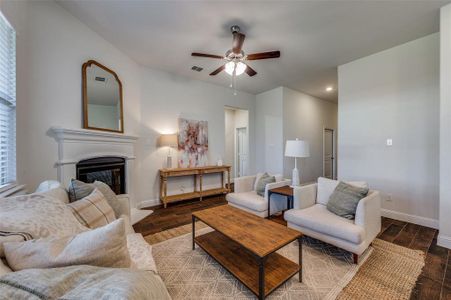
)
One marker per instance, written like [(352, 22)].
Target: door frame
[(334, 152)]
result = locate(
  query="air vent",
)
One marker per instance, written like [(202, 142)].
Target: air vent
[(102, 79), (197, 69)]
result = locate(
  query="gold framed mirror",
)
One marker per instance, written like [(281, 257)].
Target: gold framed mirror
[(102, 98)]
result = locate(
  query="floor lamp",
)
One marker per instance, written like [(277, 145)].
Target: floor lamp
[(296, 148)]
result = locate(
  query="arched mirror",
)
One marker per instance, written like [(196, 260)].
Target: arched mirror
[(102, 98)]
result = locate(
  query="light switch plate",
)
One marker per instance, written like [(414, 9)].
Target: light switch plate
[(389, 142)]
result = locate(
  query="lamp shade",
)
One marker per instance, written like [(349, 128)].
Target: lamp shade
[(297, 148), (168, 140)]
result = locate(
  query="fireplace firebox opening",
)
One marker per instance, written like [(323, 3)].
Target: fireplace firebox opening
[(110, 170)]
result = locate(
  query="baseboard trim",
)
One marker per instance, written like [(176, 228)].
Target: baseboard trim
[(444, 241), (148, 203), (428, 222)]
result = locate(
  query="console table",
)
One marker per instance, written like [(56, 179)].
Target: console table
[(197, 174)]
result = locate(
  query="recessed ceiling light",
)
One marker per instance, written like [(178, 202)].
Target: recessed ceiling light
[(329, 89)]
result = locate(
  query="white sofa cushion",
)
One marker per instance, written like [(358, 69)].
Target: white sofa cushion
[(103, 247), (54, 189), (249, 200), (327, 186), (319, 219), (37, 216), (140, 253)]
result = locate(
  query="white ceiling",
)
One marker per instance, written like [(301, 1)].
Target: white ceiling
[(314, 37)]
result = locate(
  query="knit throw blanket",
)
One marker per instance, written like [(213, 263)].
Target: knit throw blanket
[(82, 282)]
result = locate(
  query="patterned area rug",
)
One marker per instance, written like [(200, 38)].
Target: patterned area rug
[(194, 274)]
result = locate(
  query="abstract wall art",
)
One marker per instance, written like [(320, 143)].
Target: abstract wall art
[(192, 143)]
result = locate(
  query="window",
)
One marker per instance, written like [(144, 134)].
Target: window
[(7, 103)]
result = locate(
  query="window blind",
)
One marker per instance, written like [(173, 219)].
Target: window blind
[(7, 102)]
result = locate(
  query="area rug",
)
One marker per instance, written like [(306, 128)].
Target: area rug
[(378, 276), (194, 274), (390, 272)]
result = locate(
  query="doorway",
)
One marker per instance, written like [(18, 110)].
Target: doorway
[(329, 153), (236, 140), (241, 151)]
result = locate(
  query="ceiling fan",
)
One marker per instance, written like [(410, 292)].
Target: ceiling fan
[(236, 58)]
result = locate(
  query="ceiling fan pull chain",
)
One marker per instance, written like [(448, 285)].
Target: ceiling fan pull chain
[(234, 81)]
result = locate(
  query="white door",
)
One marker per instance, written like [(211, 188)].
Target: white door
[(329, 159), (241, 152)]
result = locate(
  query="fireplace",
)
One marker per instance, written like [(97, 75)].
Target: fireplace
[(110, 170)]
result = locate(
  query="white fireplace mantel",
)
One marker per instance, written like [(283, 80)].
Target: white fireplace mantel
[(75, 145)]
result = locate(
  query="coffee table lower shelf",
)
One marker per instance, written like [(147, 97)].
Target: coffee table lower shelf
[(245, 266)]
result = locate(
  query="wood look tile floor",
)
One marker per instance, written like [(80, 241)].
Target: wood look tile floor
[(433, 283)]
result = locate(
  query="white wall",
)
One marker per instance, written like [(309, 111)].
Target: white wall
[(52, 45), (393, 94), (269, 131), (305, 117), (444, 237), (165, 97), (284, 114)]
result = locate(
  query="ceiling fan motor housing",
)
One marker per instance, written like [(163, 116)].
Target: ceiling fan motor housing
[(235, 28), (230, 55)]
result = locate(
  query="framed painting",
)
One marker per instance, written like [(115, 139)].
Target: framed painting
[(192, 143)]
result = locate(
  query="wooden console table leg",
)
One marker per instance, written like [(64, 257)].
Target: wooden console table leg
[(165, 191), (195, 183), (222, 180), (200, 186), (161, 188)]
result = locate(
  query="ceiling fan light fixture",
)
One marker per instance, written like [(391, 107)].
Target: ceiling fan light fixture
[(231, 65)]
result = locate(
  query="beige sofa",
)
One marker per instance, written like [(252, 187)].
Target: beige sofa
[(140, 251), (311, 217), (246, 198)]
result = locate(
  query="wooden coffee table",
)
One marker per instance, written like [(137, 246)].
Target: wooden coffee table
[(245, 245)]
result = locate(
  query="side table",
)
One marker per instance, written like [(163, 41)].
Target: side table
[(286, 191)]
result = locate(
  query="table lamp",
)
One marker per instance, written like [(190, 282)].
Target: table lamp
[(296, 148), (168, 140)]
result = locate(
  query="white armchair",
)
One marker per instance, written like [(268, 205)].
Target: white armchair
[(311, 217), (246, 198)]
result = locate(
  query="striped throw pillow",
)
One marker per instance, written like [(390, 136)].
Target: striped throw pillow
[(93, 210)]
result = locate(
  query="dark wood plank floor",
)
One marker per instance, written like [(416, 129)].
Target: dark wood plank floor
[(433, 283)]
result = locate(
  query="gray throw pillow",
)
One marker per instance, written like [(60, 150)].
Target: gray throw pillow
[(78, 190), (344, 200), (262, 182), (110, 197)]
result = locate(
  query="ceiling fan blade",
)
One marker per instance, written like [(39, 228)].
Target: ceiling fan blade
[(251, 72), (263, 55), (207, 55), (238, 40), (217, 70)]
